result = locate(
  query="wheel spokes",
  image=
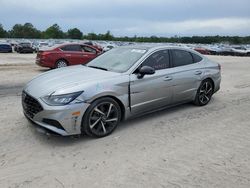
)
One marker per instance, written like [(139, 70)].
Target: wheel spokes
[(110, 107), (96, 122), (111, 120), (99, 111), (202, 91), (206, 84), (207, 92), (207, 98), (103, 127)]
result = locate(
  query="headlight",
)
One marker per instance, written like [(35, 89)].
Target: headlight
[(59, 100)]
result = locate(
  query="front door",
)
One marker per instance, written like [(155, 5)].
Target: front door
[(152, 91)]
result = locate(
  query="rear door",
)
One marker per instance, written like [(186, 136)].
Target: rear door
[(187, 70), (72, 53), (152, 91), (88, 53)]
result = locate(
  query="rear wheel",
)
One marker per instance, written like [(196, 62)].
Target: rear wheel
[(61, 63), (101, 118), (204, 93)]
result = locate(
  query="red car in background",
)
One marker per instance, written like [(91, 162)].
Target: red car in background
[(203, 51), (66, 55), (95, 45)]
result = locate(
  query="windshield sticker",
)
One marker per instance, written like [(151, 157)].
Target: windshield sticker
[(138, 51)]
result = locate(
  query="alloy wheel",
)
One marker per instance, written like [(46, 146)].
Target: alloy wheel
[(61, 64), (103, 119), (206, 92)]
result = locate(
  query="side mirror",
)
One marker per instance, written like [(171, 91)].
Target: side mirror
[(145, 70)]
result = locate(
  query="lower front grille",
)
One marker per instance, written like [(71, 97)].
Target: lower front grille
[(54, 123), (30, 105)]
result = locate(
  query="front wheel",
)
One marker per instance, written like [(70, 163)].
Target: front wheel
[(204, 93), (101, 118)]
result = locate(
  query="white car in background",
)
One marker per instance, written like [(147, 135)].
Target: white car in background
[(239, 50)]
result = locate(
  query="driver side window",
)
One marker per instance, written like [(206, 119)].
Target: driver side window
[(158, 60)]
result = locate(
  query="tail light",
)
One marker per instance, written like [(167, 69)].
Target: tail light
[(44, 53)]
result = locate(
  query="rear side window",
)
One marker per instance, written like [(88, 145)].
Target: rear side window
[(197, 58), (88, 49), (72, 48), (181, 58), (158, 60)]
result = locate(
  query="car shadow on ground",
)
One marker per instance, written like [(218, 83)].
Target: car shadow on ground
[(168, 111), (42, 70), (57, 140)]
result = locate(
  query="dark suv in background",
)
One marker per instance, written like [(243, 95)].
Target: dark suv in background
[(24, 47)]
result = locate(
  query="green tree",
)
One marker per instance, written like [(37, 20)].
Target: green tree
[(54, 32), (91, 36), (25, 31), (16, 31), (74, 33), (107, 36), (3, 33)]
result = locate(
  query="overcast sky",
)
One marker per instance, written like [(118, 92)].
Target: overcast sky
[(133, 17)]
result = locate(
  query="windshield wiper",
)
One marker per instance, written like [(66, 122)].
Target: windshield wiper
[(95, 67)]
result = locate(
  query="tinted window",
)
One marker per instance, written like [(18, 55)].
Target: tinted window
[(197, 58), (88, 49), (181, 57), (71, 48), (159, 60)]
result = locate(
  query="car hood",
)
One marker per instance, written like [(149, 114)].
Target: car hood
[(66, 80)]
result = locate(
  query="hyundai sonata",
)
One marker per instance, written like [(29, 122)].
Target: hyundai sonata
[(127, 81)]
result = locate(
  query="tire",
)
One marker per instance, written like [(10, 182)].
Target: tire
[(61, 63), (204, 93), (101, 118)]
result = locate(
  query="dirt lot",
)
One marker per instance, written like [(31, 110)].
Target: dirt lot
[(186, 146)]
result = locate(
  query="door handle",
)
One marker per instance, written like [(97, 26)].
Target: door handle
[(198, 72), (168, 78)]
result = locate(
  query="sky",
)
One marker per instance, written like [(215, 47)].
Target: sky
[(133, 17)]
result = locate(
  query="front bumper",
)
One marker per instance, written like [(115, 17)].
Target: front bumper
[(63, 120)]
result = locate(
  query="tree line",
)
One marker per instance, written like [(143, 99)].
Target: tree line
[(28, 31)]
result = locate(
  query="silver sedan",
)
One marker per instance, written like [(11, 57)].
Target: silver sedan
[(125, 82)]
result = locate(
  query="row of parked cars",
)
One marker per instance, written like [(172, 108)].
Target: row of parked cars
[(32, 46), (224, 50)]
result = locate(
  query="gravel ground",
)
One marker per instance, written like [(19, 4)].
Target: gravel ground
[(17, 59), (186, 146)]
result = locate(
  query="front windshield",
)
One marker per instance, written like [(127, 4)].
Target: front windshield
[(117, 59)]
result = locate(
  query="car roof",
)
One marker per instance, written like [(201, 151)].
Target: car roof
[(70, 43), (153, 47), (4, 43)]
